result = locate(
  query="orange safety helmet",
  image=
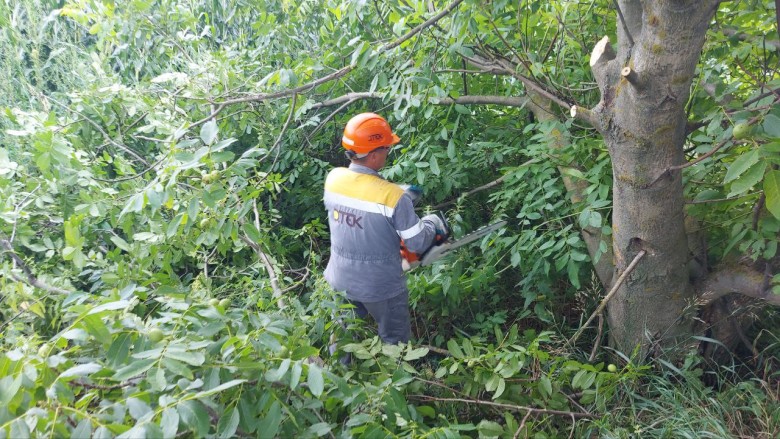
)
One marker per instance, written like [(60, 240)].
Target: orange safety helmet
[(366, 132)]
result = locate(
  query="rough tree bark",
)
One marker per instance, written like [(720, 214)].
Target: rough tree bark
[(644, 87)]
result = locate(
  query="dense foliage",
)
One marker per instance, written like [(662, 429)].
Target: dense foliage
[(163, 236)]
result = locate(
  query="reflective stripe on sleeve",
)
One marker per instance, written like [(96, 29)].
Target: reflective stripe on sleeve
[(365, 206), (413, 231)]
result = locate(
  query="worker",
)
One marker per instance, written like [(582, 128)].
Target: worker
[(368, 218)]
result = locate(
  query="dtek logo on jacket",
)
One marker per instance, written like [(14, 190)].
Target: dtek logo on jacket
[(347, 218)]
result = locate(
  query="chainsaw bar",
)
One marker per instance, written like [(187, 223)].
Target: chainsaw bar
[(439, 251)]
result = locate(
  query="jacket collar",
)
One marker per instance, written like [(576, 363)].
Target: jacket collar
[(362, 169)]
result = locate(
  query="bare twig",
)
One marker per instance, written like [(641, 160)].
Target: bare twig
[(609, 295), (625, 26), (597, 344), (773, 91), (18, 210), (265, 260), (437, 350), (522, 425)]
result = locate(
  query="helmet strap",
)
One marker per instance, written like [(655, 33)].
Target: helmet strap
[(352, 155)]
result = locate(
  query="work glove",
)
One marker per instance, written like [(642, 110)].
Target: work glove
[(439, 224), (414, 191)]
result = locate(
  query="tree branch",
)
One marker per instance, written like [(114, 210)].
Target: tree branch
[(508, 101), (600, 57), (31, 279), (585, 115), (576, 415), (625, 26), (219, 106), (499, 66), (723, 143), (609, 295), (102, 131), (744, 37), (486, 186), (736, 278)]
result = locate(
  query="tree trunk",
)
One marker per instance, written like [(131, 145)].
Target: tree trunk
[(644, 88)]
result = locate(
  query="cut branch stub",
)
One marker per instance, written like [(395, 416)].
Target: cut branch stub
[(602, 60), (630, 75), (602, 52), (585, 115)]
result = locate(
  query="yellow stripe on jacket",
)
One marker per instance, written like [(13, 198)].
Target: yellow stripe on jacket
[(363, 187)]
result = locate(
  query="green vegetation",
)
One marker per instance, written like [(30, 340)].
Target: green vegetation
[(162, 234)]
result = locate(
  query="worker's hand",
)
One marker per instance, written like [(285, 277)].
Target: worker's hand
[(442, 232), (414, 192)]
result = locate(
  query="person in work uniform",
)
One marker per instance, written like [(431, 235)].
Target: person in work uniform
[(368, 218)]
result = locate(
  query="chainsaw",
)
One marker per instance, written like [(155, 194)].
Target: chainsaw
[(442, 246)]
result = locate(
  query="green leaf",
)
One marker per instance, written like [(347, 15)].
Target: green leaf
[(545, 386), (435, 165), (270, 424), (252, 233), (573, 271), (133, 369), (320, 429), (82, 430), (500, 388), (195, 416), (120, 243), (169, 423), (772, 125), (772, 192), (315, 381), (208, 132), (219, 388), (416, 354), (740, 165), (8, 388), (19, 429), (454, 349), (193, 358), (295, 374), (277, 374), (81, 370), (489, 429), (748, 179), (228, 423)]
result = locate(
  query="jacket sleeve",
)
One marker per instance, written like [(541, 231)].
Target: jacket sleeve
[(418, 235)]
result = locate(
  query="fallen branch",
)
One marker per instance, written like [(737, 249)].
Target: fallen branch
[(609, 295), (266, 261), (31, 279), (276, 145), (576, 415), (102, 131)]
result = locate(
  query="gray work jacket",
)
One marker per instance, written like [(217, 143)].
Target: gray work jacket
[(368, 217)]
